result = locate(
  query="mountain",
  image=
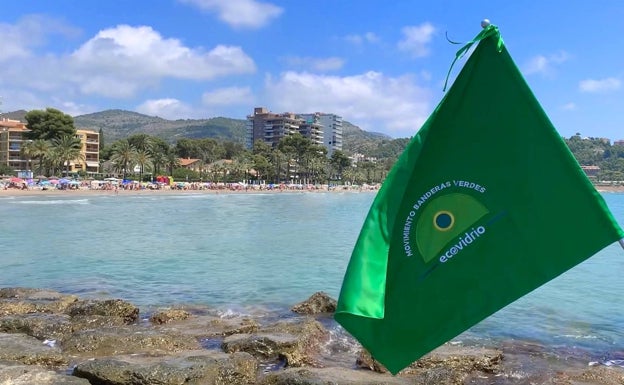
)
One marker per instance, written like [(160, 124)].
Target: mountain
[(119, 124), (15, 115), (354, 139)]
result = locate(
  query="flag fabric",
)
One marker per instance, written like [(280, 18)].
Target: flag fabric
[(486, 204)]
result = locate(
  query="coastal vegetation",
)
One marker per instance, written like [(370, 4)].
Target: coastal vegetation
[(140, 147)]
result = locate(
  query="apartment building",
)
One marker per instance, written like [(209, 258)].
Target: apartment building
[(11, 141), (90, 151), (332, 130), (323, 129)]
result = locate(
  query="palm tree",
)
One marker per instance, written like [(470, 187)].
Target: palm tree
[(40, 149), (123, 155), (68, 148), (172, 161), (27, 151), (143, 159), (158, 160)]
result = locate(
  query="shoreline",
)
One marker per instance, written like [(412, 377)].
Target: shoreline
[(13, 192)]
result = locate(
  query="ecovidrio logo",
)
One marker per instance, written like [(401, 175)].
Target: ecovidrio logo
[(442, 223)]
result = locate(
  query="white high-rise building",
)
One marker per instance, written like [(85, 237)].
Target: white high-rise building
[(332, 129)]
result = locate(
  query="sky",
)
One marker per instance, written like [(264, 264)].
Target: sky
[(381, 65)]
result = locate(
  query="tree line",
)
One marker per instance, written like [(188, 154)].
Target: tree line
[(51, 144)]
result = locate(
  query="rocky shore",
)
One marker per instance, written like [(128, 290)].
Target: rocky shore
[(51, 338)]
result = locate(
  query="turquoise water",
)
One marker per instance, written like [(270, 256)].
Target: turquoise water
[(264, 252)]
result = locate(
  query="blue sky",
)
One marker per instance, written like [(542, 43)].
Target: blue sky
[(379, 64)]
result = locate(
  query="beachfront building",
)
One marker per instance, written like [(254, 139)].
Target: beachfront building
[(89, 161), (191, 164), (331, 128), (270, 127), (11, 141), (322, 129)]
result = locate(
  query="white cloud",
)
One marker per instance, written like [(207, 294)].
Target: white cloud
[(31, 31), (165, 108), (240, 13), (132, 54), (368, 37), (545, 65), (315, 64), (228, 96), (600, 85), (373, 101), (416, 39)]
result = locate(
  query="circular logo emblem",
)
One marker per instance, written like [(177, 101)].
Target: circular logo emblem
[(443, 220)]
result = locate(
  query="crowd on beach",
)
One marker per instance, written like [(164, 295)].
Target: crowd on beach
[(13, 185)]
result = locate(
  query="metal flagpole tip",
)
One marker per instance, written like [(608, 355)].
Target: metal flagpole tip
[(485, 23)]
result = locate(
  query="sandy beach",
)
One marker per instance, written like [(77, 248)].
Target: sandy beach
[(87, 191)]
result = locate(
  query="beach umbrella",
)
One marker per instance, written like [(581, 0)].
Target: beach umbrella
[(41, 177), (16, 180), (53, 181), (44, 183), (64, 181)]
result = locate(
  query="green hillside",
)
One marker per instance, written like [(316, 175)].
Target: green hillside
[(119, 124)]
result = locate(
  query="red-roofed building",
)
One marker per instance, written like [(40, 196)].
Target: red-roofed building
[(191, 164)]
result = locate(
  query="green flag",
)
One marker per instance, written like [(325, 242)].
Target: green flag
[(485, 205)]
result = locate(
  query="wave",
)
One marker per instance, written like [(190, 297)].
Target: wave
[(54, 202)]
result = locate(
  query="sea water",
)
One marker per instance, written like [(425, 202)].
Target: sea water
[(255, 253)]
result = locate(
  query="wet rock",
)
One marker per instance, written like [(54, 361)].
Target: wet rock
[(599, 375), (264, 346), (30, 351), (333, 376), (130, 339), (364, 360), (298, 342), (205, 369), (318, 303), (446, 361), (25, 300), (45, 326), (169, 315), (39, 325), (16, 374), (228, 327), (108, 308)]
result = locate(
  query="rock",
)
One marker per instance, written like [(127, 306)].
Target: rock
[(319, 302), (24, 300), (228, 327), (109, 308), (445, 365), (263, 346), (39, 325), (365, 361), (169, 315), (30, 351), (204, 368), (333, 376), (45, 326), (298, 342), (129, 339), (15, 374)]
